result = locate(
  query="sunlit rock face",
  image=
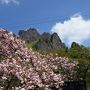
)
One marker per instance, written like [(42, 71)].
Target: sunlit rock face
[(30, 69), (29, 35), (56, 41), (49, 42), (46, 36), (45, 41)]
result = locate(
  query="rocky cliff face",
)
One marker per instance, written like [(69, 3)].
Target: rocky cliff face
[(49, 42), (46, 36), (30, 35), (45, 41), (56, 41)]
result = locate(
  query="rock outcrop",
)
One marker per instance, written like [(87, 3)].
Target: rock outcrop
[(29, 35), (46, 36), (74, 44), (56, 41), (49, 42), (46, 41)]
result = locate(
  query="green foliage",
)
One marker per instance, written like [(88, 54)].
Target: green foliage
[(2, 57), (79, 52), (88, 86), (82, 54), (12, 81), (41, 88), (30, 45), (56, 52)]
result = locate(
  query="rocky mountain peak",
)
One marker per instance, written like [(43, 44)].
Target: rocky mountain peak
[(45, 41), (74, 44), (46, 36), (56, 41), (29, 35)]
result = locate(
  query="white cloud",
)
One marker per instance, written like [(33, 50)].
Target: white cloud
[(9, 1), (76, 29)]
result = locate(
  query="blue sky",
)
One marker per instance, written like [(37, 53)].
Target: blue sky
[(40, 14)]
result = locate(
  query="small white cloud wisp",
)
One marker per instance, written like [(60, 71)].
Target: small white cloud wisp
[(76, 29), (9, 1)]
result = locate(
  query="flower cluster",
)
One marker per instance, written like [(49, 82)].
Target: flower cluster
[(33, 69)]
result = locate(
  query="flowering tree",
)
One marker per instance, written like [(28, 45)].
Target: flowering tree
[(25, 69)]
